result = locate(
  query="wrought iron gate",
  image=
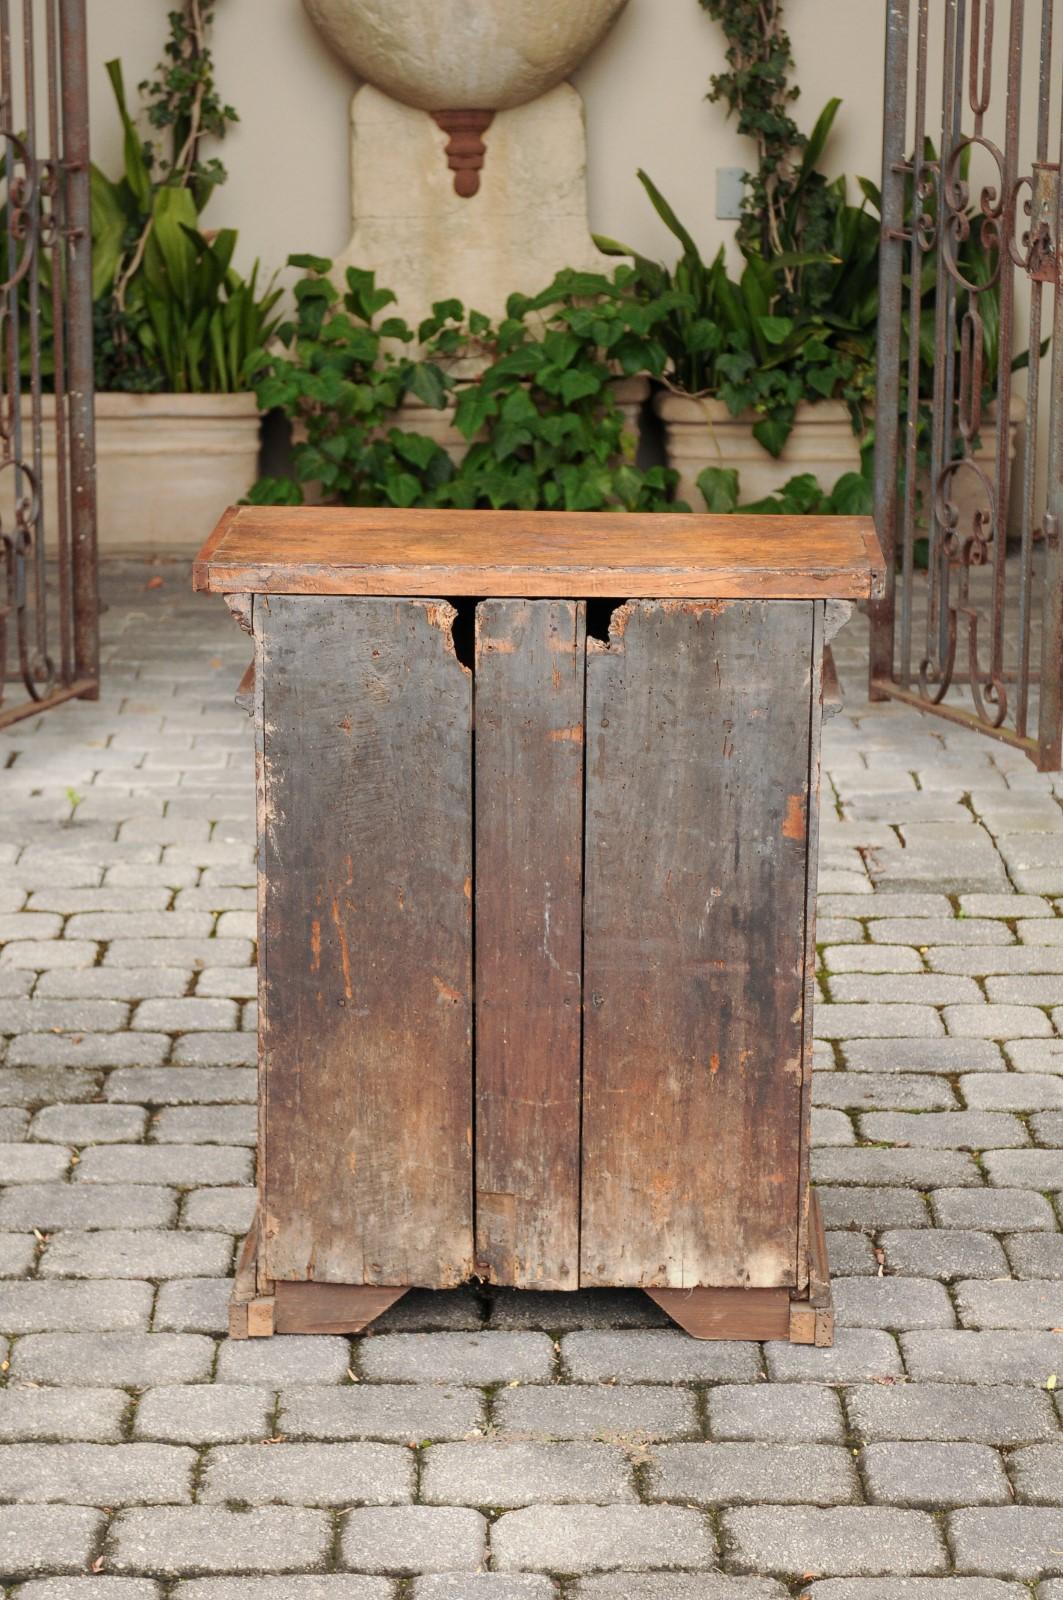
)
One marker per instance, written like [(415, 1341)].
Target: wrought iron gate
[(49, 611), (971, 624)]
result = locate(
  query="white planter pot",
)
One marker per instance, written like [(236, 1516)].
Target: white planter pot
[(167, 465), (702, 433)]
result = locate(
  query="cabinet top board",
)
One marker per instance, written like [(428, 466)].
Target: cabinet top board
[(341, 550)]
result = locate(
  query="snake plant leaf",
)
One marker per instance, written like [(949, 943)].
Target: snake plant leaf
[(109, 224), (817, 140), (137, 173)]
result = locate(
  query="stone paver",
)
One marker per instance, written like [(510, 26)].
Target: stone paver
[(795, 1413), (600, 1538), (95, 1474), (525, 1473), (171, 1540), (308, 1474), (980, 1414), (204, 1413), (414, 1539), (858, 1540), (934, 1475), (52, 1539), (631, 1414), (1008, 1541), (460, 1453), (406, 1412), (32, 1413), (752, 1474)]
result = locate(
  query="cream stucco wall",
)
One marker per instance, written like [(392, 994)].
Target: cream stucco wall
[(644, 91)]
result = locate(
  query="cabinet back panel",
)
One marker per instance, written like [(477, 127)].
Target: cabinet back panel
[(529, 845), (366, 941), (697, 791)]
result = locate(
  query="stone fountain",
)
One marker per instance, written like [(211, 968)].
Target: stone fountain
[(468, 150)]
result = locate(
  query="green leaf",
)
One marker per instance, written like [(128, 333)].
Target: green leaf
[(610, 247), (364, 297), (427, 383), (776, 329), (307, 263), (577, 385), (719, 488), (109, 223), (475, 405), (137, 174), (415, 448), (402, 489), (275, 492), (852, 496), (772, 432), (668, 216), (817, 140)]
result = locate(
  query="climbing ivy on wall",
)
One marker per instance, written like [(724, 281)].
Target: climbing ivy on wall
[(756, 90), (791, 210)]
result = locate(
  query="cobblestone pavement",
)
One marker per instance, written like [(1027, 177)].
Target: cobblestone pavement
[(493, 1447)]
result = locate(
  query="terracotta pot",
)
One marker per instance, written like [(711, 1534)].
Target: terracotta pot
[(167, 465), (702, 433)]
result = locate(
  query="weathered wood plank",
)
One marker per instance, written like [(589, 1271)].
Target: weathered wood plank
[(381, 551), (694, 927), (330, 1307), (728, 1313), (529, 841), (366, 987)]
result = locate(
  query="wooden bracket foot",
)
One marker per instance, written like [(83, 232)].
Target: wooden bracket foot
[(300, 1307), (760, 1313)]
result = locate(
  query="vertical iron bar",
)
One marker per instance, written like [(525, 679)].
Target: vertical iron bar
[(1050, 708), (1005, 339), (75, 160), (11, 352), (1033, 396), (941, 418), (61, 509), (915, 311), (887, 390), (35, 529)]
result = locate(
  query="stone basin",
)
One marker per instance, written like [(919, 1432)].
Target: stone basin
[(444, 55)]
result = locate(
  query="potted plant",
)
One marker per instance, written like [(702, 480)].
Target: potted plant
[(177, 422), (539, 425)]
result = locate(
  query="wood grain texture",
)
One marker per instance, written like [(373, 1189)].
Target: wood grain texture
[(365, 1032), (370, 551), (728, 1313), (694, 929), (330, 1307), (529, 841), (819, 653)]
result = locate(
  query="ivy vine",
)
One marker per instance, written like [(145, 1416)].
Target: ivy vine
[(182, 102), (756, 90)]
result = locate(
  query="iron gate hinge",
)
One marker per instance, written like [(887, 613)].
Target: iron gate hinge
[(1046, 248)]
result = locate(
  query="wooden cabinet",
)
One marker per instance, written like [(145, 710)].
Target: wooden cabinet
[(537, 845)]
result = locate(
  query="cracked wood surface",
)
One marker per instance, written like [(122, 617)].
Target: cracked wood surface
[(356, 550), (366, 1023), (694, 917), (529, 841)]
